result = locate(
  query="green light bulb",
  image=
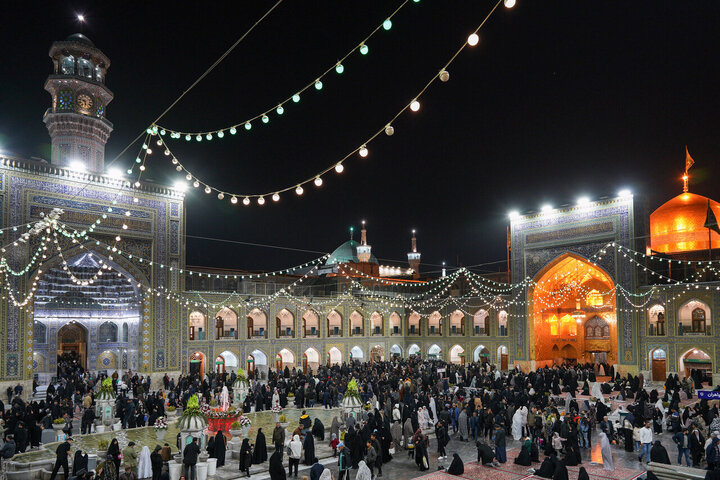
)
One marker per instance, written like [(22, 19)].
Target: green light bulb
[(296, 98), (364, 49), (221, 134), (339, 68), (318, 85), (280, 110), (233, 131), (387, 24), (248, 125), (209, 136), (265, 119)]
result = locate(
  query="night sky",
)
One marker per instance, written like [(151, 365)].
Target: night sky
[(559, 99)]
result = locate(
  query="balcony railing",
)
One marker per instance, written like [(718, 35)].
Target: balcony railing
[(376, 331), (288, 333), (334, 331), (395, 330), (687, 330), (262, 333), (311, 333)]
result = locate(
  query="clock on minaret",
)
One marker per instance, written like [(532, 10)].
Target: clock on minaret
[(76, 120)]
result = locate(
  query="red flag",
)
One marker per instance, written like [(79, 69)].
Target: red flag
[(689, 162)]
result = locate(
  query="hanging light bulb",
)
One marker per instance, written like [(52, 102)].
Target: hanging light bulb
[(299, 190), (444, 76), (296, 98), (208, 190), (339, 168), (339, 68), (276, 197), (248, 125), (509, 3), (318, 84), (280, 110), (387, 24), (233, 130), (261, 200), (198, 138), (233, 199), (265, 119), (137, 184), (221, 195), (149, 151), (142, 168), (389, 130), (174, 161), (159, 142), (246, 201), (415, 106), (363, 151), (318, 181), (178, 168), (167, 153), (473, 39), (196, 184), (364, 49)]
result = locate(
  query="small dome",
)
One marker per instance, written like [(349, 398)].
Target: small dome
[(80, 38), (678, 224), (347, 252)]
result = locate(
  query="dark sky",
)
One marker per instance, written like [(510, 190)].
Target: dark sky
[(559, 99)]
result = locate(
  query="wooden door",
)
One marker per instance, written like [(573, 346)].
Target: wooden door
[(658, 370), (504, 361)]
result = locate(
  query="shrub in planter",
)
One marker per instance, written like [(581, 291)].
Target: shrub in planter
[(283, 418), (213, 402), (103, 445), (59, 421), (171, 408), (235, 425)]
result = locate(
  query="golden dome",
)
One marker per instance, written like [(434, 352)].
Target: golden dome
[(678, 224)]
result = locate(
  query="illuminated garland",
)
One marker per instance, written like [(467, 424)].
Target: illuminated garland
[(279, 108), (362, 149)]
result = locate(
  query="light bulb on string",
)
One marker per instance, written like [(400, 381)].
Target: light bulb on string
[(265, 119), (198, 138), (364, 49), (159, 142), (296, 98), (387, 24), (363, 151), (444, 76), (246, 201), (276, 197), (339, 168), (178, 168), (167, 152), (473, 39), (174, 161), (248, 125), (233, 199), (233, 130), (415, 106), (509, 3), (261, 200), (299, 190), (208, 190), (318, 181), (196, 184), (221, 195), (280, 110), (188, 137), (339, 68), (389, 130), (318, 84)]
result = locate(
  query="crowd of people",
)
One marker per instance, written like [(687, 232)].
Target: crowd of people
[(409, 405)]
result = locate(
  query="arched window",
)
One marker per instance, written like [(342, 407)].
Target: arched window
[(311, 324), (597, 328), (334, 324), (568, 326), (457, 323), (594, 298), (694, 317), (376, 324), (86, 68), (357, 325), (554, 326), (284, 324), (107, 332), (414, 323), (125, 333), (502, 323), (256, 324), (197, 330), (226, 324), (39, 332), (481, 326), (68, 65), (435, 323), (656, 320), (395, 323)]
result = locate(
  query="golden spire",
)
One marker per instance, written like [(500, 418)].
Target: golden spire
[(689, 162)]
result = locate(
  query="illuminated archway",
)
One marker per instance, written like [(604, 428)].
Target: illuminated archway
[(457, 355), (414, 349), (694, 359), (334, 356), (570, 298), (481, 354), (285, 358), (396, 351), (311, 360), (434, 352), (658, 364), (356, 353)]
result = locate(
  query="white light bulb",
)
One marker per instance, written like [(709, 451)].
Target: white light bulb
[(444, 76), (509, 3), (208, 189), (299, 190), (221, 196), (261, 200), (196, 184), (389, 130), (415, 106), (246, 201), (318, 181), (339, 168), (363, 151), (233, 200), (188, 177), (473, 39)]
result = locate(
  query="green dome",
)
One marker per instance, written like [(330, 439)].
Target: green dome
[(347, 252)]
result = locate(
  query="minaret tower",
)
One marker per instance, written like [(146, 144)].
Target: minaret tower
[(364, 251), (414, 257), (76, 120)]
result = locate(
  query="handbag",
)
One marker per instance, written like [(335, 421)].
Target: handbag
[(425, 462)]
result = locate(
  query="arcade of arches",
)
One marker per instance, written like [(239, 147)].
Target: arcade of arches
[(579, 323)]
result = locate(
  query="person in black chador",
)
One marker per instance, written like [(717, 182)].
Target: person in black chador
[(309, 447), (260, 450)]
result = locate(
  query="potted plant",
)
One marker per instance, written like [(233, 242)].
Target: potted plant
[(244, 424), (102, 447), (58, 424), (170, 411), (214, 402), (277, 410), (235, 429), (161, 427), (283, 420), (192, 418)]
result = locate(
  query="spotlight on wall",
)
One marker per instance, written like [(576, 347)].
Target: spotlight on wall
[(513, 215), (583, 202), (181, 186), (625, 192), (547, 208), (77, 166)]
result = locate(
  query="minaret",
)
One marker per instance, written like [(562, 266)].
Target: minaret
[(364, 250), (414, 257), (76, 120)]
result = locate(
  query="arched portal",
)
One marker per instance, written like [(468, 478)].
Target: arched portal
[(569, 295), (72, 343), (377, 353), (481, 354), (502, 354), (569, 354), (334, 324), (284, 324), (311, 360), (334, 356), (376, 324), (414, 323), (695, 363), (310, 324), (396, 351), (457, 355), (285, 358), (694, 317), (434, 352), (257, 363), (658, 361), (228, 362), (356, 353), (395, 323), (226, 324), (197, 364), (413, 349), (196, 324), (256, 324)]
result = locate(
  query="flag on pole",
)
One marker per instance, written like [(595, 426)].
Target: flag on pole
[(689, 162), (710, 220)]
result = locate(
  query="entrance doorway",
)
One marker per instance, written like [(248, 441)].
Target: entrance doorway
[(503, 357), (658, 359), (72, 345), (197, 364), (377, 354)]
